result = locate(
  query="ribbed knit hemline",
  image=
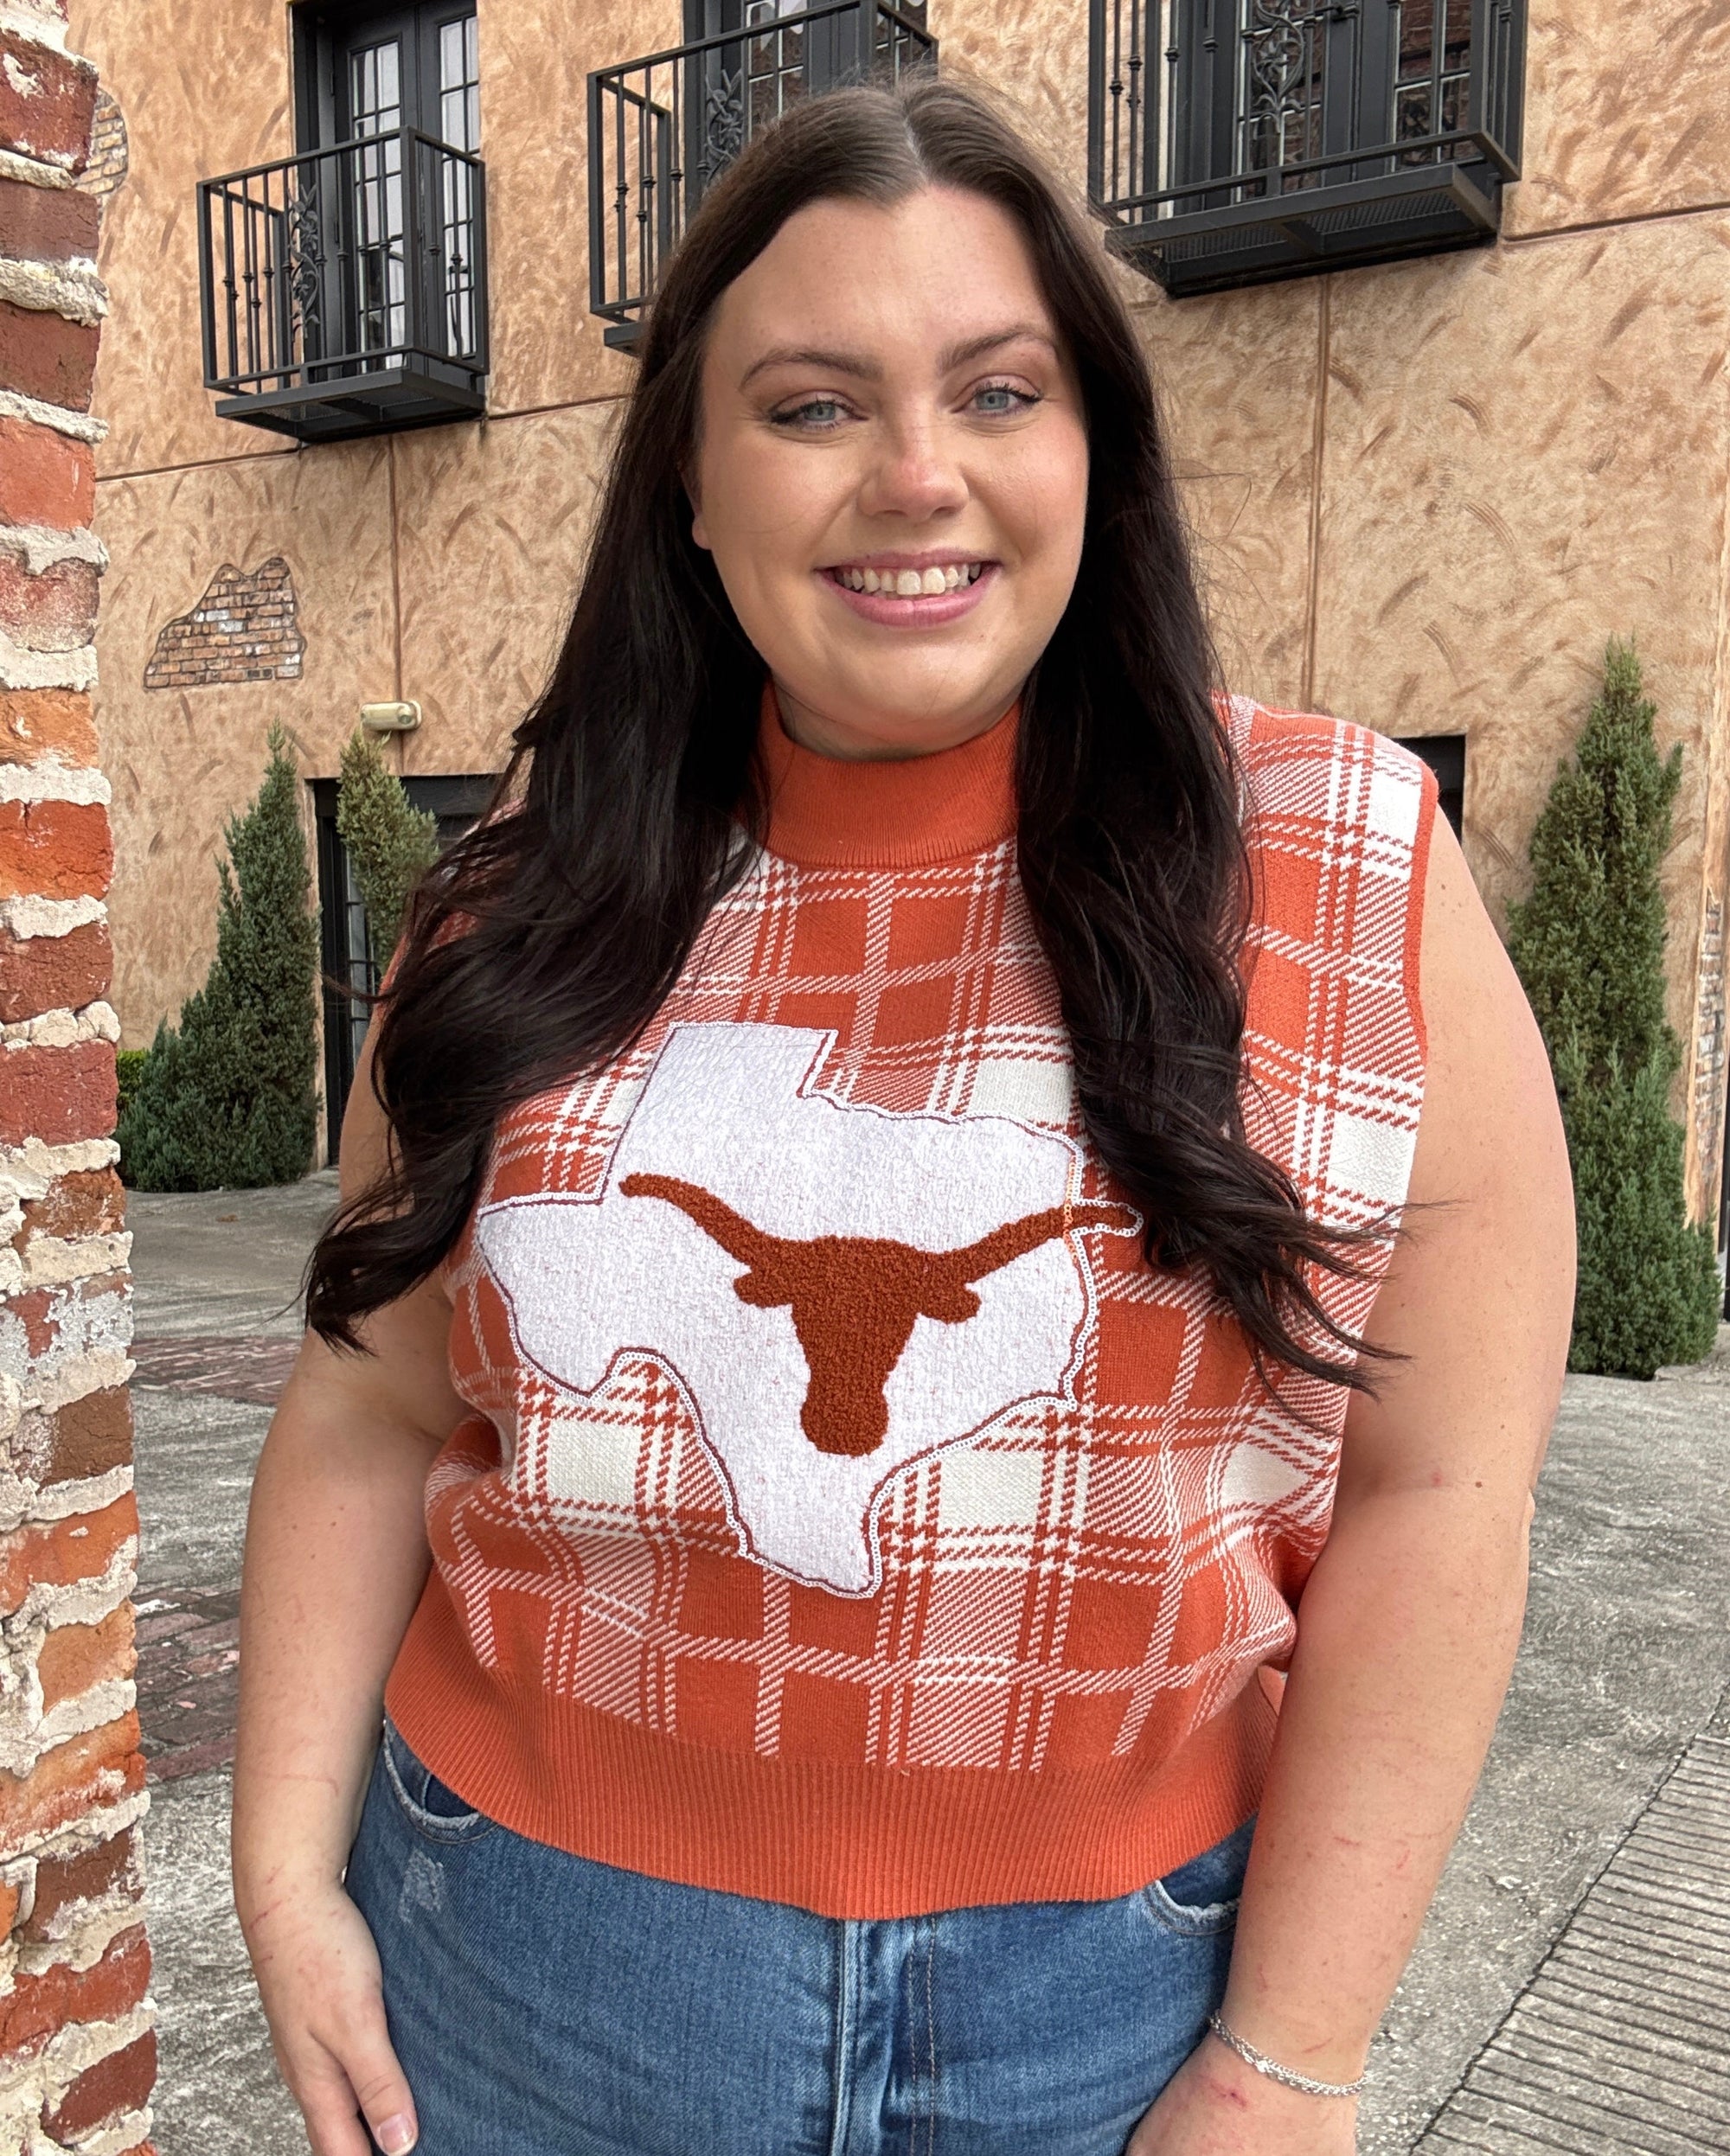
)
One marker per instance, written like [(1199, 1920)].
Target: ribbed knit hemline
[(837, 1839)]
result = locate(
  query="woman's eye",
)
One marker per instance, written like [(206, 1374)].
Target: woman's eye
[(997, 398), (814, 412)]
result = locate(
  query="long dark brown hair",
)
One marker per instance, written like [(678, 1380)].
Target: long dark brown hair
[(548, 936)]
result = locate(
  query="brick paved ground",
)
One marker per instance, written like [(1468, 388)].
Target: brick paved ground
[(189, 1679), (234, 1367), (189, 1639)]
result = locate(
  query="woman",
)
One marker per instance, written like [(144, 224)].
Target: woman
[(871, 1213)]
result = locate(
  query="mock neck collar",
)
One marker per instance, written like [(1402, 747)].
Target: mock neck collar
[(839, 812)]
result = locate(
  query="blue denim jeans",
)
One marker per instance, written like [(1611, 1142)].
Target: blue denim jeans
[(545, 2005)]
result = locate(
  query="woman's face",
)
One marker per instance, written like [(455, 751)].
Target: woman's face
[(885, 404)]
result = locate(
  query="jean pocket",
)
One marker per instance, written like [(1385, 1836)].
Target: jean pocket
[(431, 1806), (1200, 1899)]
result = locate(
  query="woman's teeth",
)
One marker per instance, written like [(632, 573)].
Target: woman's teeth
[(911, 583)]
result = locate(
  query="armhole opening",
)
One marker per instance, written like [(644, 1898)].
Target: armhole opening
[(1428, 802)]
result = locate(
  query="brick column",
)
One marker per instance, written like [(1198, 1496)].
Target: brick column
[(77, 2044)]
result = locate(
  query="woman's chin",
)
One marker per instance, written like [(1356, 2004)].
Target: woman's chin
[(876, 721)]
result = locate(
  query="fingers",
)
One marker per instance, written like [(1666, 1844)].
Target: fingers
[(323, 1992), (332, 2084), (381, 2091)]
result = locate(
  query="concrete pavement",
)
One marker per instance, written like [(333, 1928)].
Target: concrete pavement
[(215, 1267), (1627, 1659)]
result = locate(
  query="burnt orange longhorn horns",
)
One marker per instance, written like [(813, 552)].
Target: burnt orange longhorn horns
[(854, 1298)]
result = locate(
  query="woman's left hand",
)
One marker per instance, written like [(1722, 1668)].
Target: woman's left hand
[(1214, 2105)]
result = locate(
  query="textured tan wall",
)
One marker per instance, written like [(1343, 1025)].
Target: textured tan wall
[(1423, 495), (183, 761), (1524, 453), (1239, 375), (202, 92), (491, 523), (535, 56), (1625, 111)]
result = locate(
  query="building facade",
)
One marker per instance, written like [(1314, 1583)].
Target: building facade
[(1442, 431)]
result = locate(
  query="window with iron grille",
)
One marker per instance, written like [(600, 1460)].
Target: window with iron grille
[(344, 287), (1231, 142), (663, 129)]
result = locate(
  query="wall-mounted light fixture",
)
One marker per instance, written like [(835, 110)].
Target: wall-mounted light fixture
[(390, 718)]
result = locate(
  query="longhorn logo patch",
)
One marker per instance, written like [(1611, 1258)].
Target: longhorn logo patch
[(837, 1290)]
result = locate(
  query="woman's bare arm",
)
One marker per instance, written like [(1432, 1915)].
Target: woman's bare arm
[(335, 1562), (1408, 1626)]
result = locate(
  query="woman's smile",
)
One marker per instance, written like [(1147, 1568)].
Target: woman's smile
[(910, 590)]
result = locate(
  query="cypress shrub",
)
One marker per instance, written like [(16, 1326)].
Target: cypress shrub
[(391, 845), (226, 1099), (1589, 946)]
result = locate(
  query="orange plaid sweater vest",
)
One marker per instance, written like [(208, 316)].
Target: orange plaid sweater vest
[(849, 1516)]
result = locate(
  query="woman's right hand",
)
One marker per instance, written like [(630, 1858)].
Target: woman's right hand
[(318, 1975)]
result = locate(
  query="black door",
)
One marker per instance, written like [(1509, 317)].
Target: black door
[(403, 218), (406, 67)]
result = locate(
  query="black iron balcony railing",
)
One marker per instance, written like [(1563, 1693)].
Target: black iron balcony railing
[(1230, 142), (344, 291), (662, 129)]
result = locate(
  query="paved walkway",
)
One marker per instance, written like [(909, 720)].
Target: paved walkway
[(216, 1278), (1571, 1986)]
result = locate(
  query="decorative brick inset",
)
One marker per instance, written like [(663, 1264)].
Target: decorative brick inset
[(109, 155), (188, 1648), (243, 630)]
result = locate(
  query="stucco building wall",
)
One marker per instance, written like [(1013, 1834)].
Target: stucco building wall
[(1424, 495)]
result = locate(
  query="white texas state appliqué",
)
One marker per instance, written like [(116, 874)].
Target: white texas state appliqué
[(836, 1289)]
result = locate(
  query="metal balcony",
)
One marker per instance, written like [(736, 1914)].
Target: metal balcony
[(1233, 142), (344, 292), (662, 129)]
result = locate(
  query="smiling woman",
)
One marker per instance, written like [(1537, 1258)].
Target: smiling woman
[(870, 1286), (855, 477)]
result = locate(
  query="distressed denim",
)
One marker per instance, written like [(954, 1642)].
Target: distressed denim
[(545, 2005)]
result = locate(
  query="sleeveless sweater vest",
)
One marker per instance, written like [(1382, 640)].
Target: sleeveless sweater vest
[(848, 1515)]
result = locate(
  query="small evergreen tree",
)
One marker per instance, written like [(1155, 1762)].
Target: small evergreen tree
[(1589, 946), (226, 1099), (391, 844)]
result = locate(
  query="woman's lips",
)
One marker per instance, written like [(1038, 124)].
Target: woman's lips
[(925, 611)]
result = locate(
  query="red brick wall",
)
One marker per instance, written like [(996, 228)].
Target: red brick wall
[(242, 629), (77, 2044)]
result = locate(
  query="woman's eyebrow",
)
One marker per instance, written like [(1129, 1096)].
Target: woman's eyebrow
[(864, 369)]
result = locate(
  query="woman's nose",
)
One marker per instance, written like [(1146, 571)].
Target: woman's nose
[(914, 473)]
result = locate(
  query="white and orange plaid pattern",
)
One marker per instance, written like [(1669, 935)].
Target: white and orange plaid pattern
[(1093, 1578)]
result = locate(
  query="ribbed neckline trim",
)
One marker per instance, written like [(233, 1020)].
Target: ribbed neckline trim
[(837, 812)]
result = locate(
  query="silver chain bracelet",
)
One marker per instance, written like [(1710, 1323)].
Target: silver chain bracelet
[(1285, 2075)]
